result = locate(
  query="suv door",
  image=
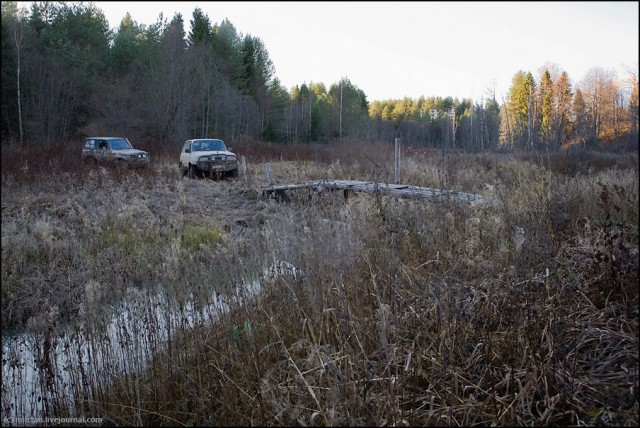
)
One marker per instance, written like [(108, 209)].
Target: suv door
[(185, 154), (102, 150)]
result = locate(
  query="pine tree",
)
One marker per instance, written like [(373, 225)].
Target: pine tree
[(200, 28), (521, 110), (546, 108), (581, 120), (125, 46), (563, 109)]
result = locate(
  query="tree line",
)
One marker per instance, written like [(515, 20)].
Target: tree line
[(66, 74)]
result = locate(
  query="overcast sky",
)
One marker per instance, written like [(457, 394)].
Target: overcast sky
[(398, 49)]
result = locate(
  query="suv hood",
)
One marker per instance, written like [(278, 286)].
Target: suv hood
[(214, 152), (131, 151)]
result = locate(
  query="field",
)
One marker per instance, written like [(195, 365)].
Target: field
[(371, 310)]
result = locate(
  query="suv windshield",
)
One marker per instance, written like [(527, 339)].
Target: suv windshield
[(120, 143), (205, 145)]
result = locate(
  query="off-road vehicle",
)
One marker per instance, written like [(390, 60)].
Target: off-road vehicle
[(208, 157), (113, 150)]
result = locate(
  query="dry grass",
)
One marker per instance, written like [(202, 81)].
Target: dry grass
[(522, 310)]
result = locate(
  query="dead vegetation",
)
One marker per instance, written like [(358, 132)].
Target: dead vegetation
[(522, 310)]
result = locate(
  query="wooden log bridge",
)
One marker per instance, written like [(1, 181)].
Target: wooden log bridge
[(401, 190)]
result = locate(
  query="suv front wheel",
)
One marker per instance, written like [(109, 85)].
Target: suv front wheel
[(192, 171)]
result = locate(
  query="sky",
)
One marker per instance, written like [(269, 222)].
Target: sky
[(392, 50)]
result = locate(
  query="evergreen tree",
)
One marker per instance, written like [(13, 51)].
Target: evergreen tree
[(258, 69), (375, 110), (491, 121), (200, 28), (278, 100), (350, 109), (520, 110), (320, 113), (546, 98), (581, 120), (226, 44), (563, 110), (125, 46)]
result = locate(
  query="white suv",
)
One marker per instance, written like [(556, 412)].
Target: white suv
[(209, 157)]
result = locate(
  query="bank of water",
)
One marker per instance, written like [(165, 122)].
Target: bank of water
[(53, 372)]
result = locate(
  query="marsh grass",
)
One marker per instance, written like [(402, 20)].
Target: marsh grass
[(521, 310)]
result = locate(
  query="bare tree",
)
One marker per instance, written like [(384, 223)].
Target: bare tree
[(595, 85)]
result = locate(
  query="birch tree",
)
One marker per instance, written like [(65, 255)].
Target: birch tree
[(633, 105), (12, 38), (595, 85)]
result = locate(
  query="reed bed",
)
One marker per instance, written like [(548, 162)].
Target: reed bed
[(133, 298)]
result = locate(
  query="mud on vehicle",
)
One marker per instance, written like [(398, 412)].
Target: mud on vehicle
[(207, 157)]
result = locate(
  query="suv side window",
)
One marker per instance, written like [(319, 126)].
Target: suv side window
[(103, 145), (187, 147)]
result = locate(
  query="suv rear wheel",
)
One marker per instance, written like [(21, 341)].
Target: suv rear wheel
[(122, 165), (90, 160)]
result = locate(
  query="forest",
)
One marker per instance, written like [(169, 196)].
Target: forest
[(67, 75), (144, 298)]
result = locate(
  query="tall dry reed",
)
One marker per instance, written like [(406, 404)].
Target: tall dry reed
[(372, 310)]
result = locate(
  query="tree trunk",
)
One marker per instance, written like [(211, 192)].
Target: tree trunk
[(18, 40)]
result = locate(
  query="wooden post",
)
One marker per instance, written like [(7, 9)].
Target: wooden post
[(397, 161), (268, 166), (243, 163)]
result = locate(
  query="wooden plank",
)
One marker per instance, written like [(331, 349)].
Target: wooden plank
[(404, 190)]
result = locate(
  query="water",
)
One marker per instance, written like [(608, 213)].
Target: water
[(54, 372)]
